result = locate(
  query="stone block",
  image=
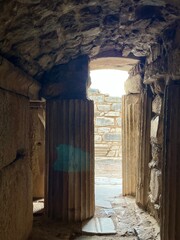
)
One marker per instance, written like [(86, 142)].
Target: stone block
[(98, 138), (156, 130), (118, 130), (119, 121), (103, 129), (14, 80), (98, 98), (16, 201), (93, 91), (112, 114), (116, 107), (159, 86), (101, 145), (111, 153), (14, 125), (154, 185), (133, 84), (104, 121), (114, 137), (104, 108), (113, 99), (156, 151), (157, 105)]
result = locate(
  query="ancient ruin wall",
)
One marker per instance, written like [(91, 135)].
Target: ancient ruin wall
[(37, 147), (107, 124), (15, 172)]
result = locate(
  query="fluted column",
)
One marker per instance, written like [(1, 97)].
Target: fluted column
[(130, 141), (170, 210), (69, 159), (142, 187)]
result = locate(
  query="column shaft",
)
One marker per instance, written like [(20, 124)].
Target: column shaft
[(130, 142), (70, 159), (170, 211)]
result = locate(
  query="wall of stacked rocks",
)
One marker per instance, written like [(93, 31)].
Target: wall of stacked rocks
[(107, 112), (153, 75)]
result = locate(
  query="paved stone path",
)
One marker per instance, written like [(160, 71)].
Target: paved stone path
[(131, 222)]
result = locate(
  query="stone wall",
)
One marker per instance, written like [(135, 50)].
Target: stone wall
[(37, 147), (153, 75), (15, 172), (107, 124)]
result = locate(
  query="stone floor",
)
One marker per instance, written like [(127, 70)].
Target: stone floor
[(108, 167), (131, 223)]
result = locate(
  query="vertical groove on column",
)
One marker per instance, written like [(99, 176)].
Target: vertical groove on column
[(142, 187), (130, 142), (70, 159), (170, 213)]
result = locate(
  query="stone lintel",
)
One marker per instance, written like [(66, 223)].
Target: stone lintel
[(14, 80), (67, 81)]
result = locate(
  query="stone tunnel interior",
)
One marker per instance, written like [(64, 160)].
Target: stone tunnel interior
[(47, 49)]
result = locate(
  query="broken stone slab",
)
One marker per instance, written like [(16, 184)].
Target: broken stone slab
[(99, 226), (103, 203)]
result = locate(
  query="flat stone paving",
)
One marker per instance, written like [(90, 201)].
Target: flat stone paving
[(108, 167), (131, 223)]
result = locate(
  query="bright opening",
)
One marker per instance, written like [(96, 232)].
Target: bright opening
[(107, 88), (109, 81)]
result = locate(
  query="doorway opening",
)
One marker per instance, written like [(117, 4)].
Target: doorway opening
[(106, 90)]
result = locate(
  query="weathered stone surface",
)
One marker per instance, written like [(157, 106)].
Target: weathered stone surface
[(14, 123), (131, 140), (119, 121), (97, 27), (112, 99), (73, 166), (99, 99), (103, 129), (16, 200), (116, 137), (157, 105), (104, 121), (159, 86), (116, 107), (133, 84), (13, 79), (112, 114), (103, 108), (156, 151), (61, 81), (37, 147), (107, 147), (156, 129), (154, 185), (98, 138)]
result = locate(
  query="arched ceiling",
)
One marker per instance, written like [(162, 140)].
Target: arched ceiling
[(37, 35)]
